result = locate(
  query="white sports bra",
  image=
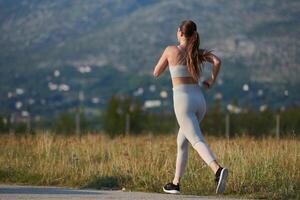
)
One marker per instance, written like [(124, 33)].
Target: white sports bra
[(179, 70)]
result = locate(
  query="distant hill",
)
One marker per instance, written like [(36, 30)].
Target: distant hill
[(258, 42)]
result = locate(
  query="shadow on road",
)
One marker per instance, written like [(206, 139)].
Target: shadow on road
[(104, 182)]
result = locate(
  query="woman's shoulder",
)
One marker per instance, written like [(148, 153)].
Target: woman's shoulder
[(171, 48)]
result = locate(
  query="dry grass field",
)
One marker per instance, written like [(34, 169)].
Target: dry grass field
[(260, 168)]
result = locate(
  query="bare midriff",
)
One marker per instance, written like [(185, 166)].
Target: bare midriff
[(183, 80)]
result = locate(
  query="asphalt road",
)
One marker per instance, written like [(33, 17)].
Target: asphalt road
[(12, 192)]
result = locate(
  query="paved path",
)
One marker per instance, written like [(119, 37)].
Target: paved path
[(12, 192)]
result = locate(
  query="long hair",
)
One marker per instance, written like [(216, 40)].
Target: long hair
[(195, 57)]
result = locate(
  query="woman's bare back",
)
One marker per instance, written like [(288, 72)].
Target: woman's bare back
[(176, 56)]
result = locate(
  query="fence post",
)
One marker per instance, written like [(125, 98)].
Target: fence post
[(277, 125), (227, 126), (127, 124), (77, 122)]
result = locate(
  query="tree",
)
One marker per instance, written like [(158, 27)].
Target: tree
[(114, 116), (65, 123)]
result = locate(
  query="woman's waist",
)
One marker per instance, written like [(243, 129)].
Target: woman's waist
[(193, 87), (183, 80), (188, 94)]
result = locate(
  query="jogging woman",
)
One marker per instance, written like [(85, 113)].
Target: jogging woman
[(185, 63)]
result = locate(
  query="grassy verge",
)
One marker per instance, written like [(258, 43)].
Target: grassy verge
[(260, 168)]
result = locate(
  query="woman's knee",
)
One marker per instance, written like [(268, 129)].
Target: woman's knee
[(182, 144)]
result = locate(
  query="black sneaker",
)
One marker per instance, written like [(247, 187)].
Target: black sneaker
[(171, 188), (220, 179)]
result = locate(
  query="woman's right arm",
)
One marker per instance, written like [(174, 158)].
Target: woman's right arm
[(162, 63)]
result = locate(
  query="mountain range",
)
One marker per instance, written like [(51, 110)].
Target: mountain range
[(257, 41)]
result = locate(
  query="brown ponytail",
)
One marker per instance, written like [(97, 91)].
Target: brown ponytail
[(195, 57)]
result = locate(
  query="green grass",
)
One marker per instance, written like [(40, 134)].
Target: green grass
[(259, 168)]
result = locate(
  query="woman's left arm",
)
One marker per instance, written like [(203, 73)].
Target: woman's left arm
[(162, 64), (210, 57)]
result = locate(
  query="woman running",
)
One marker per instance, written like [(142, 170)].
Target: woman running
[(185, 63)]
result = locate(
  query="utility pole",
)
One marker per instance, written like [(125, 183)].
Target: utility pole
[(28, 123), (28, 120), (77, 118), (11, 124), (83, 70)]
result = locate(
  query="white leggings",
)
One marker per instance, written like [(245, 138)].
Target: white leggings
[(190, 108)]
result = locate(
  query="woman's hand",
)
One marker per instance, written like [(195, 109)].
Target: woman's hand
[(208, 83)]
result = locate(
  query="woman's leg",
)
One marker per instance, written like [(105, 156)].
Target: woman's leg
[(190, 127), (214, 164), (182, 155), (190, 108)]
